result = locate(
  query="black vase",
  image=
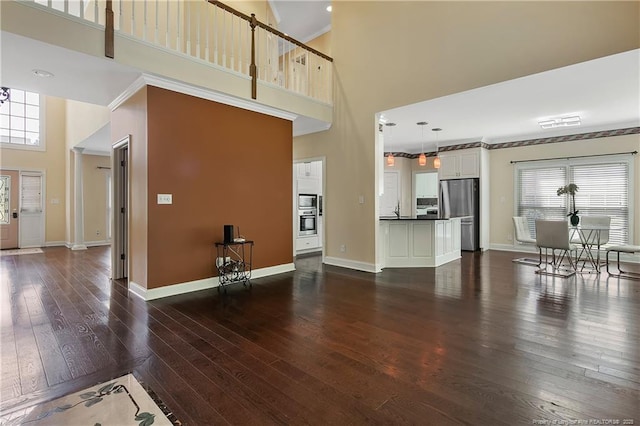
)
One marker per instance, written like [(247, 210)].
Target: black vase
[(575, 219)]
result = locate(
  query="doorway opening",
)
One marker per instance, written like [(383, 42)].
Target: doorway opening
[(309, 214), (120, 209)]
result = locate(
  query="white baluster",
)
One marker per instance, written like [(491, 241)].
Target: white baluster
[(144, 20), (215, 34), (155, 32), (224, 39), (166, 27), (188, 32), (206, 33), (198, 13), (133, 18), (178, 47), (233, 46), (81, 9), (240, 27)]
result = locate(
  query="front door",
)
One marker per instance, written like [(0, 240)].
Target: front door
[(8, 209)]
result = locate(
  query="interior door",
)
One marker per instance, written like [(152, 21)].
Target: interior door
[(9, 209)]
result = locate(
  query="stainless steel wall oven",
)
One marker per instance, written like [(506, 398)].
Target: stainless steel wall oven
[(307, 221)]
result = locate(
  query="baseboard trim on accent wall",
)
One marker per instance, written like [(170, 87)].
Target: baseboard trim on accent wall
[(203, 284), (351, 264)]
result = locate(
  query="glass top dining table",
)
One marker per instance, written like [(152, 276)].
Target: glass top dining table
[(590, 238)]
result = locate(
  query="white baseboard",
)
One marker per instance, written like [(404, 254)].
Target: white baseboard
[(351, 264), (273, 270), (624, 257), (203, 284), (55, 244), (511, 247), (97, 243)]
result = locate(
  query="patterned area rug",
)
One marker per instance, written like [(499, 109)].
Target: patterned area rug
[(122, 401), (16, 252)]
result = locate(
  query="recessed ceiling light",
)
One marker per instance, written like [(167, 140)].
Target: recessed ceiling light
[(42, 73), (329, 8), (552, 123)]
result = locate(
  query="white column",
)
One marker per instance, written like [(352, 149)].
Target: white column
[(78, 235)]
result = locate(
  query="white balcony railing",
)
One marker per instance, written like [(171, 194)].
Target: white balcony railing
[(217, 34)]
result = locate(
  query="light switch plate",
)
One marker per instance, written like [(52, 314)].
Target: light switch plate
[(165, 198)]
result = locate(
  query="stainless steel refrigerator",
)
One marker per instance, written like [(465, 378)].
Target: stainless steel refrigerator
[(461, 198)]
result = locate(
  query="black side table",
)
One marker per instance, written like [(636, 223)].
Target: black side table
[(233, 263)]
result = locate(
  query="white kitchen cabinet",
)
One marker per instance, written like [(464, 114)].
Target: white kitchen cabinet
[(464, 163), (309, 186), (307, 243), (426, 185), (311, 169), (414, 243)]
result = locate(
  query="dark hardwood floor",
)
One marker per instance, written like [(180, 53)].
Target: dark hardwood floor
[(477, 341)]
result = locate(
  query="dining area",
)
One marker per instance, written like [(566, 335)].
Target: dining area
[(569, 247)]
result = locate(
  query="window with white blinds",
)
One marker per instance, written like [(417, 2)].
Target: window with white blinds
[(604, 188), (31, 193)]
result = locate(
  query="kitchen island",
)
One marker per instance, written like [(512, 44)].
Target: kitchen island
[(418, 241)]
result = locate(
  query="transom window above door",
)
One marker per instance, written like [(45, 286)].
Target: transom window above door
[(20, 120)]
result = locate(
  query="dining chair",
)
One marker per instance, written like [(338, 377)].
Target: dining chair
[(593, 231), (554, 235), (521, 226), (522, 235)]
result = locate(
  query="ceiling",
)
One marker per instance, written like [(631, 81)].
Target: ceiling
[(604, 92), (303, 20)]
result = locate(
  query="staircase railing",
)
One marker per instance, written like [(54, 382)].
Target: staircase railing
[(215, 33)]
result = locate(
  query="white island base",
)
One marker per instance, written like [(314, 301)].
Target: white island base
[(406, 243)]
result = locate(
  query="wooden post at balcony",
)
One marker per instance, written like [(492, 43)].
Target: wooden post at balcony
[(108, 30), (253, 72)]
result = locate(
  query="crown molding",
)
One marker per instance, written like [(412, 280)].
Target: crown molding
[(526, 142), (274, 10), (198, 92), (317, 34)]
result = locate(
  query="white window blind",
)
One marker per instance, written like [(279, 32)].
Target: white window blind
[(537, 197), (31, 193), (604, 189)]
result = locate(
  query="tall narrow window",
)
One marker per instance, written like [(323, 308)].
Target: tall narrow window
[(5, 197), (20, 119)]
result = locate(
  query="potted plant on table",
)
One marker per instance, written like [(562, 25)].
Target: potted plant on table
[(571, 189)]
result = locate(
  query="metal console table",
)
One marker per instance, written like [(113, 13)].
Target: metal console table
[(233, 263)]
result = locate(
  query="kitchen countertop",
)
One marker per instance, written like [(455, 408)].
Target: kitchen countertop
[(418, 217)]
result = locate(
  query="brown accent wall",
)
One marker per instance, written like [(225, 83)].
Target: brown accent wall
[(223, 165), (130, 118)]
